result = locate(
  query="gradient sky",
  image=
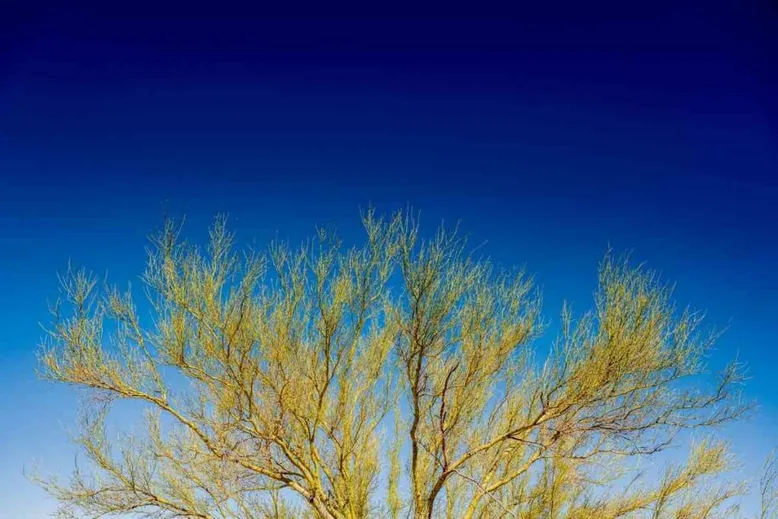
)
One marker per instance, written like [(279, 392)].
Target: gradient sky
[(550, 135)]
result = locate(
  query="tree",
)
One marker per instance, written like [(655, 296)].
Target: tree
[(392, 379)]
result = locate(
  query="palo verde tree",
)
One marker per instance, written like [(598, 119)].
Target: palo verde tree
[(393, 379)]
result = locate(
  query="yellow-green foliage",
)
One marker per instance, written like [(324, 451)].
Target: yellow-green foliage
[(395, 379)]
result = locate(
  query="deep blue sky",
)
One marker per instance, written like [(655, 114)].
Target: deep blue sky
[(550, 135)]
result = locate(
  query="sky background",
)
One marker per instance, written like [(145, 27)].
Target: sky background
[(549, 135)]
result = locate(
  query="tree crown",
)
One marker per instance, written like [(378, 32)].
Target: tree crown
[(391, 379)]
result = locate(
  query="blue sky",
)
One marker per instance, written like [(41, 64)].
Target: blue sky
[(549, 135)]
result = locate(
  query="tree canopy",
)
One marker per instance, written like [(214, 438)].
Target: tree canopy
[(398, 378)]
